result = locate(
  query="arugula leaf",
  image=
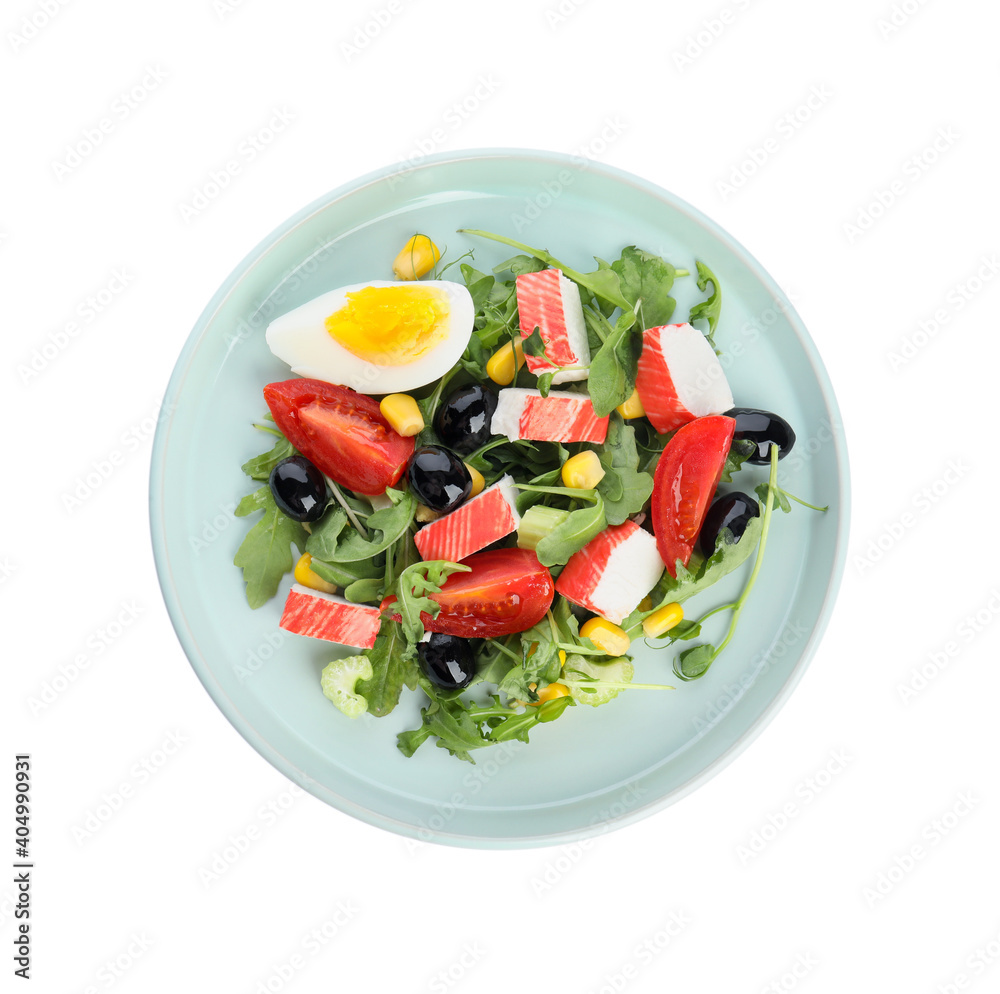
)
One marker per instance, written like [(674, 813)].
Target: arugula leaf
[(739, 452), (461, 727), (391, 669), (572, 535), (493, 661), (782, 498), (479, 285), (625, 490), (450, 724), (520, 458), (265, 554), (520, 265), (259, 468), (602, 283), (541, 666), (728, 556), (517, 726), (345, 574), (332, 542), (414, 588), (694, 662), (614, 367), (645, 281), (365, 591), (709, 309), (566, 622)]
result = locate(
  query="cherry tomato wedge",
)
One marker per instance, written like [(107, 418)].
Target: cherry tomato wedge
[(507, 590), (341, 432), (686, 477)]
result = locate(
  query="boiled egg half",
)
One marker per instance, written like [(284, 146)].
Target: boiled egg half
[(377, 337)]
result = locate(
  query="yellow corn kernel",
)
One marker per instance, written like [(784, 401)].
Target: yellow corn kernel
[(477, 480), (551, 692), (582, 471), (607, 636), (562, 657), (304, 574), (419, 256), (402, 412), (632, 408), (662, 620), (504, 363), (425, 515)]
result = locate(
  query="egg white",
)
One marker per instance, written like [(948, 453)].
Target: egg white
[(300, 338)]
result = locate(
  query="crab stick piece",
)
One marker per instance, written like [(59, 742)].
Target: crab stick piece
[(550, 302), (680, 377), (612, 572), (327, 616), (477, 523), (560, 417)]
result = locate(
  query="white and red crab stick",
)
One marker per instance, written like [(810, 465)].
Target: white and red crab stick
[(327, 616), (612, 573), (477, 523), (550, 302), (560, 417), (680, 377)]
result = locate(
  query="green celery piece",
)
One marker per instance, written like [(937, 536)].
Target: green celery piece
[(588, 681), (339, 680)]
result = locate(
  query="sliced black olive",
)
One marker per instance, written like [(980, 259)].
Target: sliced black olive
[(299, 489), (447, 661), (438, 478), (733, 511), (463, 420), (764, 428)]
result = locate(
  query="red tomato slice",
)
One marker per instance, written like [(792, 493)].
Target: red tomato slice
[(342, 432), (686, 477), (508, 590)]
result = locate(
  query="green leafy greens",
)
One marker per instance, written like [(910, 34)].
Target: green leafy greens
[(265, 554)]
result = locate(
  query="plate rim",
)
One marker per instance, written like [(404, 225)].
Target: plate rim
[(229, 707)]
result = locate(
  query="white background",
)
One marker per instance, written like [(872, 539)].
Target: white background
[(853, 845)]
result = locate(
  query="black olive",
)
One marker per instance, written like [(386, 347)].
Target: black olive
[(447, 661), (299, 489), (463, 420), (438, 478), (733, 511), (763, 427)]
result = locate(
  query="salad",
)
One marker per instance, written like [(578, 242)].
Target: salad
[(496, 486)]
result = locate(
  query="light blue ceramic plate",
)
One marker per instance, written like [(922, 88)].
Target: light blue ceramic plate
[(594, 769)]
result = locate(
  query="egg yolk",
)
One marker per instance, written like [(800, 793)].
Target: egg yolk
[(391, 325)]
